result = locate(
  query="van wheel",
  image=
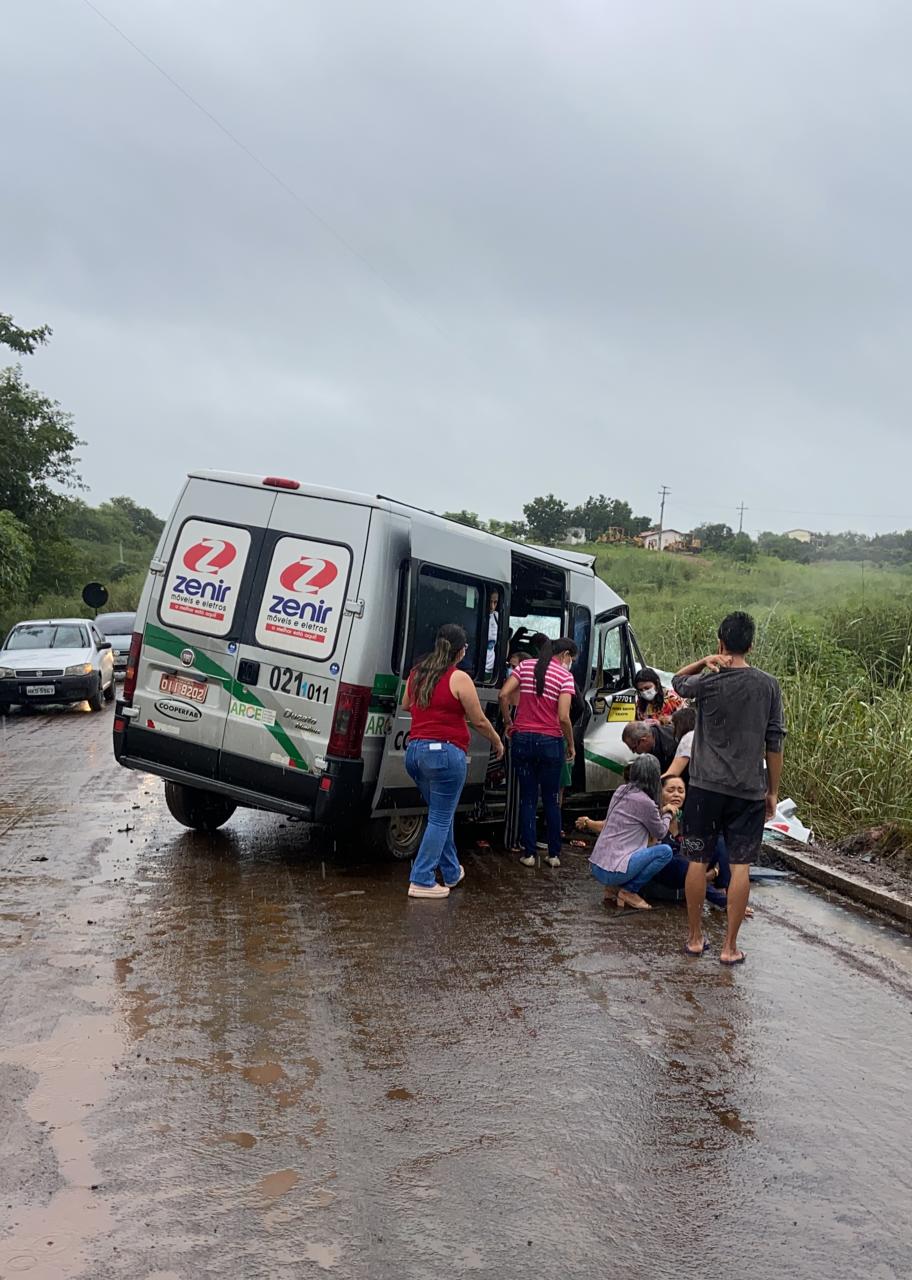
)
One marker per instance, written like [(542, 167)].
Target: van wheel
[(399, 836), (199, 810)]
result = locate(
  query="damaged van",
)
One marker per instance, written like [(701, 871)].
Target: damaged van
[(277, 624)]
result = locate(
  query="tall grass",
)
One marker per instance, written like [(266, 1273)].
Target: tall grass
[(839, 639)]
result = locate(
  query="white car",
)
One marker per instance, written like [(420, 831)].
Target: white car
[(118, 628), (56, 660)]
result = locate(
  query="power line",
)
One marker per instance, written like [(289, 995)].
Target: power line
[(271, 173)]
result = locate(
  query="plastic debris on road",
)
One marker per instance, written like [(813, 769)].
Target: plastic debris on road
[(786, 823)]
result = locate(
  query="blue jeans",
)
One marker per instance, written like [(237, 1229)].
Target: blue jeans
[(439, 771), (538, 761), (642, 866)]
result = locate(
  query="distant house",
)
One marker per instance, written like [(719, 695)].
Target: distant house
[(669, 538), (799, 535), (575, 537)]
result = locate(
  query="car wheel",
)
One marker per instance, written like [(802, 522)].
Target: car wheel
[(96, 702), (110, 691), (398, 836), (5, 708), (199, 810)]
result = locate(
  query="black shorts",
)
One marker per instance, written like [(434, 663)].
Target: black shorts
[(708, 815)]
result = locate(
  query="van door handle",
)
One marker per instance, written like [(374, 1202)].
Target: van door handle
[(355, 608)]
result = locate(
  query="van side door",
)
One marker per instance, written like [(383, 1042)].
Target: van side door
[(612, 703)]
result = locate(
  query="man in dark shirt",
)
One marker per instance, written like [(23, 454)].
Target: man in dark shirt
[(739, 729), (650, 739)]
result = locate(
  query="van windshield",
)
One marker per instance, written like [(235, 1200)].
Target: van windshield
[(48, 635)]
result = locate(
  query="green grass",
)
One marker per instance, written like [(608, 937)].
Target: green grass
[(839, 639)]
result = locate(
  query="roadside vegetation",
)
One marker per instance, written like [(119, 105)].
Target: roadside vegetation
[(839, 638)]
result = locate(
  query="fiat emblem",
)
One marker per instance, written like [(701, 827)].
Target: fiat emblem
[(186, 657)]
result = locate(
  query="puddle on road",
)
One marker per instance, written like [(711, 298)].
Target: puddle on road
[(277, 1184), (265, 1073)]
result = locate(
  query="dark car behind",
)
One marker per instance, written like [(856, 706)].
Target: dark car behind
[(118, 628)]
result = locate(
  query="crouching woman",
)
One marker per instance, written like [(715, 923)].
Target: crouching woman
[(623, 860)]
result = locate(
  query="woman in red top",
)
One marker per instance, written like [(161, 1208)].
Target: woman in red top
[(541, 738), (443, 703)]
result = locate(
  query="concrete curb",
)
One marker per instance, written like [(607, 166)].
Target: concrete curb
[(849, 885)]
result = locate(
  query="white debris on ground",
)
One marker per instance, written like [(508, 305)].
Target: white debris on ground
[(786, 823)]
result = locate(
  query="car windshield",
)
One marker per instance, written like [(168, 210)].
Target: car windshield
[(115, 624), (48, 635)]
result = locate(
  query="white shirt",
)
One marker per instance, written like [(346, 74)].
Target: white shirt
[(685, 746), (491, 653)]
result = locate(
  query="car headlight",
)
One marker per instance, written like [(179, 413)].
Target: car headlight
[(80, 669), (6, 673)]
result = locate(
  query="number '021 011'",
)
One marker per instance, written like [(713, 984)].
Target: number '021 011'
[(285, 680)]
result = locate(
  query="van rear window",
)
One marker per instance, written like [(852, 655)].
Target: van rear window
[(204, 577), (304, 597)]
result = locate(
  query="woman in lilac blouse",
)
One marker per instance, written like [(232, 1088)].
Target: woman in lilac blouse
[(623, 860)]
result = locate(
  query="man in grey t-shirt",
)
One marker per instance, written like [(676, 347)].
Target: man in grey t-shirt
[(739, 730)]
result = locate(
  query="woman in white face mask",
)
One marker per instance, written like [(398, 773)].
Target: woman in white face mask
[(654, 703)]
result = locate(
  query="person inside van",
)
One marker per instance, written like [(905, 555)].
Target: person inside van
[(622, 859), (493, 632), (443, 703), (541, 738), (653, 702)]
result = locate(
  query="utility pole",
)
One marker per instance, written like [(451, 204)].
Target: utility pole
[(741, 511), (663, 494)]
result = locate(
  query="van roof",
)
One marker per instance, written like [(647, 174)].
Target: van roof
[(552, 555)]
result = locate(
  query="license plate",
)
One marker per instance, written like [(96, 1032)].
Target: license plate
[(184, 687), (40, 690)]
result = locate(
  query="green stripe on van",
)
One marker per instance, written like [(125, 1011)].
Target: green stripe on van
[(612, 765), (385, 686), (159, 638)]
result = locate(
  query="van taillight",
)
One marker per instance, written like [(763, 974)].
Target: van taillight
[(349, 722), (129, 684)]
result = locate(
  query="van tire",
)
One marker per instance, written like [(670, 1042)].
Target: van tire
[(199, 810), (398, 837)]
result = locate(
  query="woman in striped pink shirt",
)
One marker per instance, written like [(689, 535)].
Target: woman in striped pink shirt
[(541, 738)]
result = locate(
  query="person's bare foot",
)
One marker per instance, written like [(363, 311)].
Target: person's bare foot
[(611, 897), (627, 899), (731, 957)]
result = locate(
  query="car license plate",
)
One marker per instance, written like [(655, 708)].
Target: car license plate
[(40, 690), (184, 687)]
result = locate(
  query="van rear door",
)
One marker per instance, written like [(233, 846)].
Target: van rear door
[(292, 644), (188, 659)]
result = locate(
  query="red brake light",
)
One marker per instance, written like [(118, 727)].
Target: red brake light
[(129, 684), (349, 721), (279, 482)]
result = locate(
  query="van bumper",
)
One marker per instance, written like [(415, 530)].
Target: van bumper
[(334, 798)]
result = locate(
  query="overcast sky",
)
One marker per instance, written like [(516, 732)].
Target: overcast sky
[(574, 246)]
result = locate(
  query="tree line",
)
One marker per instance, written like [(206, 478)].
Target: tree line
[(51, 541), (547, 520)]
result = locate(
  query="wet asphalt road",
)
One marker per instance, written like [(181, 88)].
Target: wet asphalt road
[(219, 1057)]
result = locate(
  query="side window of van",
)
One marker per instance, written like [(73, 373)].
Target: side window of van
[(450, 597), (609, 658)]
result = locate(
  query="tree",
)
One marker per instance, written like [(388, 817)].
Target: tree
[(16, 553), (24, 341), (468, 518), (37, 441), (142, 523), (713, 537), (741, 547), (515, 530), (547, 519), (598, 514)]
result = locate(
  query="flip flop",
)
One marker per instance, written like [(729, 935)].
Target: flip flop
[(696, 954), (740, 960)]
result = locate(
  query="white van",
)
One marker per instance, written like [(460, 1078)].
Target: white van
[(278, 621)]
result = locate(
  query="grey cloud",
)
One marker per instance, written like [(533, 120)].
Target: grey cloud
[(673, 233)]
